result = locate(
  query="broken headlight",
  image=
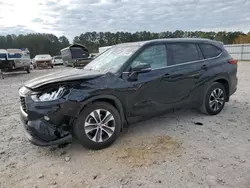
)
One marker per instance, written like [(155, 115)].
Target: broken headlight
[(50, 95)]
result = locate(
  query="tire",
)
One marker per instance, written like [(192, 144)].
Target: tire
[(1, 74), (213, 103), (86, 137), (13, 66), (52, 66), (28, 70)]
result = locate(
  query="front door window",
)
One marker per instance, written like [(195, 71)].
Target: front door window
[(154, 55)]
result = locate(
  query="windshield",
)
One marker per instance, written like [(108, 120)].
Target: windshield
[(112, 59)]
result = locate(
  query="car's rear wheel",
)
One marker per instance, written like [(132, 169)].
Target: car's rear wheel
[(214, 100), (98, 126)]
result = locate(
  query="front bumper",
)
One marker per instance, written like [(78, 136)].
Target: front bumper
[(49, 122), (45, 124), (35, 138)]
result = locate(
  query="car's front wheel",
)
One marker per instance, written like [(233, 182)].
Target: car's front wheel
[(98, 126), (214, 100)]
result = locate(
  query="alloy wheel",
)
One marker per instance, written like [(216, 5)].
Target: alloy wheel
[(99, 125), (216, 99)]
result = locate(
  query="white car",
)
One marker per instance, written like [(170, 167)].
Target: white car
[(43, 61), (57, 60), (15, 59)]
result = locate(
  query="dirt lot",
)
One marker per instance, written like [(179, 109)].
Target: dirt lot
[(167, 151)]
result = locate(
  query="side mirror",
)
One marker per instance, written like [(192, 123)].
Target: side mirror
[(141, 68)]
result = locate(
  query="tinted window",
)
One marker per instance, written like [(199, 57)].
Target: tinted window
[(14, 55), (154, 55), (182, 53), (58, 57), (2, 56), (209, 50)]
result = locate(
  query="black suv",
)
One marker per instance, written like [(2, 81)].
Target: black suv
[(128, 83)]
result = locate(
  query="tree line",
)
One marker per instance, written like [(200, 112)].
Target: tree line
[(94, 40), (40, 43), (37, 43)]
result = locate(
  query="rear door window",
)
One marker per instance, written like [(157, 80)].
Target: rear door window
[(182, 53), (209, 50)]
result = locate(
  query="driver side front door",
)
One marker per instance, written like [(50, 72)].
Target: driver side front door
[(142, 99)]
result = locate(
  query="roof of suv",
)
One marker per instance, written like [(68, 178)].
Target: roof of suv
[(155, 41)]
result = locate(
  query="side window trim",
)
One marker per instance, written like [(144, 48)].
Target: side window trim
[(211, 45), (188, 62)]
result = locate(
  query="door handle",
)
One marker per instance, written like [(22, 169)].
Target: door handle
[(204, 67), (168, 76)]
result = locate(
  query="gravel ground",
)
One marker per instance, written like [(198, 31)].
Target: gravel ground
[(167, 151)]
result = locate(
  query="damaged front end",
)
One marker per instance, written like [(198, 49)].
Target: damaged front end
[(47, 115)]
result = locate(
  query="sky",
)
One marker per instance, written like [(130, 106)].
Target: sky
[(73, 17)]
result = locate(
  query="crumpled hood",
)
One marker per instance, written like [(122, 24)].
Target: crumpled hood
[(62, 76)]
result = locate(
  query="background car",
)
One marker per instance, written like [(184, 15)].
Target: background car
[(43, 60), (57, 60), (76, 55), (14, 60)]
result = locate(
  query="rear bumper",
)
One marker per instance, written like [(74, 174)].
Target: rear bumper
[(234, 83), (58, 63), (43, 63), (233, 91), (33, 135)]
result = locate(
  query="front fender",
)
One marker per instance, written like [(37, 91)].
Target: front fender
[(116, 101)]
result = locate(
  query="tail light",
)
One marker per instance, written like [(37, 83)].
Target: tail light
[(234, 61)]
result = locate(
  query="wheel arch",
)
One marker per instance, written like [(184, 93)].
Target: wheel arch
[(225, 82), (112, 100)]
